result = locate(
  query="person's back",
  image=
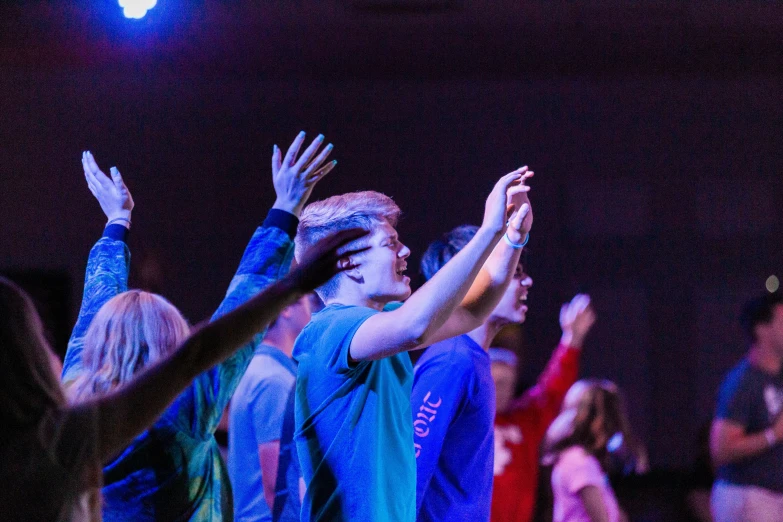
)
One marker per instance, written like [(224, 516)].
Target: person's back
[(574, 471), (356, 459)]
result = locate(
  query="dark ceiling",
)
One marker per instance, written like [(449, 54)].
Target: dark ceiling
[(390, 39)]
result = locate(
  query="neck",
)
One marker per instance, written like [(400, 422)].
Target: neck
[(765, 358), (281, 340), (484, 334), (353, 297)]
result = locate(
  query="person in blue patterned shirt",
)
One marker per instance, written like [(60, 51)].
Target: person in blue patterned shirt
[(174, 470)]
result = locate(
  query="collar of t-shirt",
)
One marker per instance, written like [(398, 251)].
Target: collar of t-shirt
[(278, 355)]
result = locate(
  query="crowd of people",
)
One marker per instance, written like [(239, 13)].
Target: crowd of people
[(329, 419)]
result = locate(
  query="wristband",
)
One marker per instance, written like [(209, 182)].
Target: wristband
[(513, 245), (119, 219), (769, 434)]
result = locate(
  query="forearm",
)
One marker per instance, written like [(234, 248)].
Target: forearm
[(429, 307), (105, 277), (490, 283), (731, 449)]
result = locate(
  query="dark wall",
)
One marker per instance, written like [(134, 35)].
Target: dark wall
[(659, 194)]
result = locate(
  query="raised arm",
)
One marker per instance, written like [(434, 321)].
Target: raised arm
[(498, 271), (109, 261), (124, 413), (267, 258), (576, 320), (416, 322)]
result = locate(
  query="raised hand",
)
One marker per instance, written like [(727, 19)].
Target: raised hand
[(521, 220), (294, 179), (321, 262), (112, 194), (576, 320), (496, 209)]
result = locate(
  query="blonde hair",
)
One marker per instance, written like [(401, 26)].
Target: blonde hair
[(28, 384), (130, 331), (367, 209), (588, 400)]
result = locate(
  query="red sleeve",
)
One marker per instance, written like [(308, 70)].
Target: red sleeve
[(543, 400)]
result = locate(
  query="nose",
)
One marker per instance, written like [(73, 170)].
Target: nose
[(526, 282), (404, 252)]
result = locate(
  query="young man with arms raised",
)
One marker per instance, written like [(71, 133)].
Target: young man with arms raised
[(353, 430), (746, 435), (453, 398)]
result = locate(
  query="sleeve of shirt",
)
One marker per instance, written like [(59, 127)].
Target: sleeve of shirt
[(106, 276), (440, 389), (341, 333), (546, 397), (267, 258), (735, 401), (580, 470), (268, 407)]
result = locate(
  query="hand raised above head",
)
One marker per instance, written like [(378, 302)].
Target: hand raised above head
[(112, 193), (505, 190), (322, 261), (576, 320), (294, 178)]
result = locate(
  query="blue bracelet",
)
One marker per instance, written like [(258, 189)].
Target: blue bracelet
[(516, 245)]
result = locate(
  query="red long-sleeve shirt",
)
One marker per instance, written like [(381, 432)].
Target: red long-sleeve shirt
[(519, 433)]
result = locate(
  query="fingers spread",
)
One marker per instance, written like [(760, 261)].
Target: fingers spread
[(309, 152), (318, 161), (293, 150)]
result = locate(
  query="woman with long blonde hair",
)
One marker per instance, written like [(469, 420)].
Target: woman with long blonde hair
[(174, 471), (576, 444)]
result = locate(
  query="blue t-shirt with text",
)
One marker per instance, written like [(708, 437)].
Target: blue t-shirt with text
[(453, 406), (353, 432)]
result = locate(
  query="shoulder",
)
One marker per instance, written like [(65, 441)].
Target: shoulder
[(740, 376), (576, 457), (453, 355), (332, 326)]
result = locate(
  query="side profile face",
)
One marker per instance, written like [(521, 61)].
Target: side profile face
[(773, 331), (505, 377), (512, 308), (381, 268)]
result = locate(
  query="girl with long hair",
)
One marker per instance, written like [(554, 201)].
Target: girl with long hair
[(174, 471), (593, 414)]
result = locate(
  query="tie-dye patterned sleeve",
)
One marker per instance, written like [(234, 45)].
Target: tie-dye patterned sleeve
[(267, 258), (107, 276)]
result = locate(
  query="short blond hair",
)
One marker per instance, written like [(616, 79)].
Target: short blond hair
[(367, 209)]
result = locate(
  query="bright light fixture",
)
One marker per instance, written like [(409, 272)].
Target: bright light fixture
[(136, 9)]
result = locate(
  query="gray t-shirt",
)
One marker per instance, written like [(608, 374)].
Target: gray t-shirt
[(754, 399), (256, 417)]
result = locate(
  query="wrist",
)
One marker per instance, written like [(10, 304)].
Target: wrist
[(571, 340), (119, 218), (288, 206)]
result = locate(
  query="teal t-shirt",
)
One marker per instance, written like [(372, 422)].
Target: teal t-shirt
[(353, 434)]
